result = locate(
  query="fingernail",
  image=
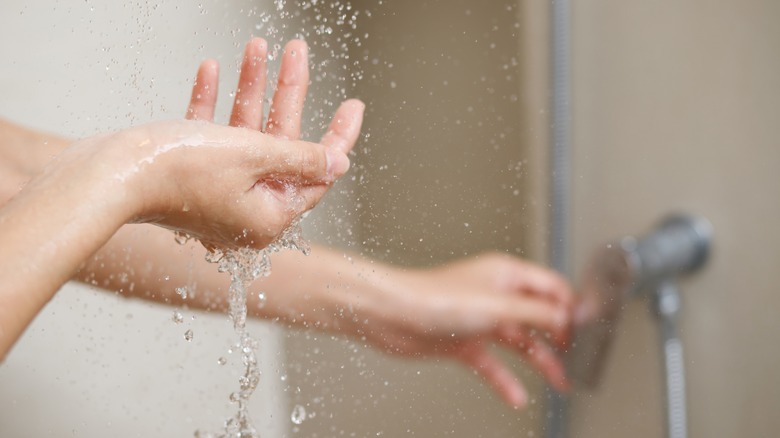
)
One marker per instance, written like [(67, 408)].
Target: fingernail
[(261, 43), (564, 386), (300, 68), (359, 104), (338, 163), (561, 318), (519, 400), (212, 65)]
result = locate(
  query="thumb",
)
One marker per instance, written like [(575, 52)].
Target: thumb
[(304, 161)]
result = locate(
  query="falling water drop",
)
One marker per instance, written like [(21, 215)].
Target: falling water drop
[(298, 414), (261, 299), (181, 237), (182, 292)]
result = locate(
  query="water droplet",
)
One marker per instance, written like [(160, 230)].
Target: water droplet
[(177, 317), (188, 335), (182, 292), (181, 237), (261, 299), (221, 361), (298, 414), (214, 256)]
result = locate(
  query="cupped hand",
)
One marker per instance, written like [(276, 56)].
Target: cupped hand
[(461, 309), (231, 186), (286, 178), (284, 117), (226, 186)]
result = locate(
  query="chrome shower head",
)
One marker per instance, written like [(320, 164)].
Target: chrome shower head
[(679, 245)]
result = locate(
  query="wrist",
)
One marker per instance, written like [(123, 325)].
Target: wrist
[(125, 173), (376, 299), (86, 179), (57, 221)]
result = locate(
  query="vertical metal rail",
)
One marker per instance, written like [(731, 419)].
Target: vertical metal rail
[(667, 309), (560, 170)]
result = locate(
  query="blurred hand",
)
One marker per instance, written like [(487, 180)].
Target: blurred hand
[(460, 309)]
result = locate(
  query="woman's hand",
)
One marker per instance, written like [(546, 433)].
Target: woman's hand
[(461, 309), (284, 118), (206, 183), (226, 186)]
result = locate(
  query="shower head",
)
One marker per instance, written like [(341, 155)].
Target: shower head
[(679, 245)]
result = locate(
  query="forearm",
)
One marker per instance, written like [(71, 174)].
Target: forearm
[(138, 258), (23, 154), (331, 290), (46, 231), (28, 149), (325, 289)]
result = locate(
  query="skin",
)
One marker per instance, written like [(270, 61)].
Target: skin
[(458, 310), (227, 186)]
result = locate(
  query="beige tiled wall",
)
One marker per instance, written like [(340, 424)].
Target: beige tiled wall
[(93, 364), (444, 172), (676, 109)]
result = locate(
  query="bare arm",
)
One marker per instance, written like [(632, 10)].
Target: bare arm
[(162, 173), (457, 310), (23, 153)]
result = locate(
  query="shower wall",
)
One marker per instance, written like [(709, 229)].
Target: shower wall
[(675, 108), (445, 170), (93, 364)]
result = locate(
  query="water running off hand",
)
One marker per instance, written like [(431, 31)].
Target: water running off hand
[(244, 266)]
